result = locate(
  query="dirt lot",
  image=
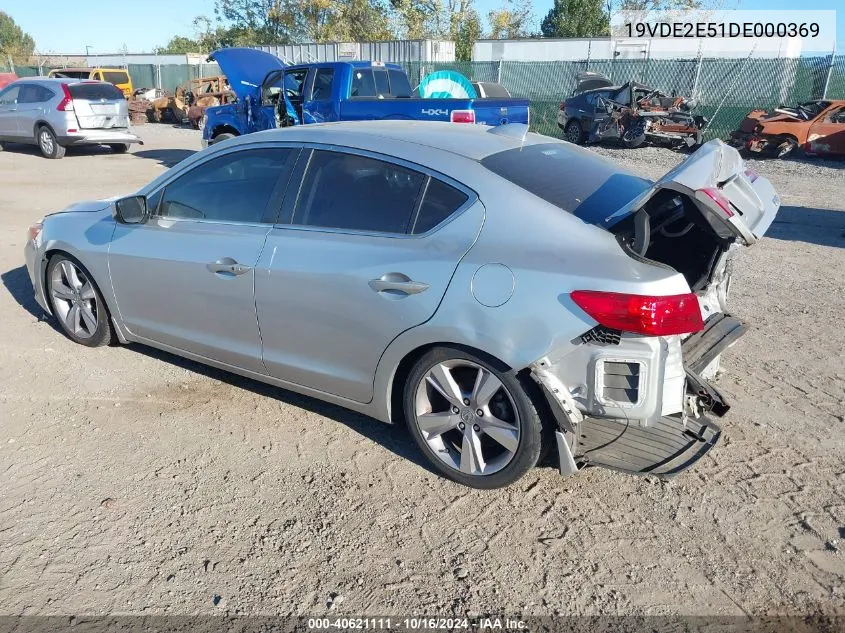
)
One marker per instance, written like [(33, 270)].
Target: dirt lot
[(136, 482)]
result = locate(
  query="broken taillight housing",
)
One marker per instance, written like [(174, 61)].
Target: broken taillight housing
[(751, 174), (462, 116), (66, 104), (642, 314), (563, 105), (719, 198)]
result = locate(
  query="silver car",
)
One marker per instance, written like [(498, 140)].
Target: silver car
[(499, 291), (58, 113)]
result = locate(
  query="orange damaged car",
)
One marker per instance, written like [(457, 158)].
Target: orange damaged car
[(816, 127)]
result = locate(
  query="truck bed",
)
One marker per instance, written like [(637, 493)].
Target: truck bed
[(487, 111)]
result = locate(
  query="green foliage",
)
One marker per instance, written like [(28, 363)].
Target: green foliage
[(576, 18), (14, 43), (511, 20)]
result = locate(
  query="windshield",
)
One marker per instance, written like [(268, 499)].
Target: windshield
[(573, 179)]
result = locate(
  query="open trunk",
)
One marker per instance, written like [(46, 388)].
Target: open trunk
[(693, 220)]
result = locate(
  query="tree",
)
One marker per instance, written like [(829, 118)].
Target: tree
[(576, 18), (179, 45), (511, 21), (14, 43), (467, 32)]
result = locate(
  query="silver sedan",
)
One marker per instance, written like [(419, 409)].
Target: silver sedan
[(501, 292)]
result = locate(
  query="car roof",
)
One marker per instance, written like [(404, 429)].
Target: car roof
[(470, 141), (87, 68), (61, 80)]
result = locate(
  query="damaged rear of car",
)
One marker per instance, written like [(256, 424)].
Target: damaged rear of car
[(634, 392), (632, 114)]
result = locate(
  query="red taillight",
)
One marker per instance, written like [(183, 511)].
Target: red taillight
[(66, 104), (462, 116), (719, 198), (751, 175), (653, 316)]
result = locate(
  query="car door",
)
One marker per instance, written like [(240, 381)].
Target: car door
[(320, 105), (32, 107), (185, 278), (827, 133), (363, 252), (9, 111)]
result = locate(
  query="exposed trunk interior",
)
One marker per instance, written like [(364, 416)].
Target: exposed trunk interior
[(671, 229)]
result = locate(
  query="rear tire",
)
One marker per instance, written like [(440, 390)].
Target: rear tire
[(48, 143), (222, 137), (505, 439), (119, 148), (77, 303), (574, 133)]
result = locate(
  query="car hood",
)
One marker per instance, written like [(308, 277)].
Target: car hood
[(245, 68)]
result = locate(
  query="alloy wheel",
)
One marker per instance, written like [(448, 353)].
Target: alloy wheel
[(573, 134), (74, 299), (467, 417), (46, 141)]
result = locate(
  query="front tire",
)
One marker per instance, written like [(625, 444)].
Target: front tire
[(222, 137), (77, 303), (472, 418), (48, 143)]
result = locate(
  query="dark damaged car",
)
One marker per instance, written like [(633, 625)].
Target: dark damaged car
[(632, 114)]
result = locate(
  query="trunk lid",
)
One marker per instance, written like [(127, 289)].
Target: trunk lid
[(99, 105), (246, 68), (736, 203)]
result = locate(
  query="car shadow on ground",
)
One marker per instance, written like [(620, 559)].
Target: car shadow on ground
[(18, 285), (825, 227), (164, 157), (32, 150), (393, 437)]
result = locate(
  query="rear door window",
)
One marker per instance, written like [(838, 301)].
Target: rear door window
[(236, 187), (439, 202), (359, 193), (363, 83), (94, 91), (399, 85), (31, 93)]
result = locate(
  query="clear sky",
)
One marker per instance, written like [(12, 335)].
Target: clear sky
[(68, 26)]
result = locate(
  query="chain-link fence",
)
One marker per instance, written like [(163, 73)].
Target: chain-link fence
[(724, 89)]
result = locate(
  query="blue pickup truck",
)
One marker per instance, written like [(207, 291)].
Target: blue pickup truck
[(272, 94)]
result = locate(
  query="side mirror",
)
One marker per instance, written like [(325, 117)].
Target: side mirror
[(131, 210)]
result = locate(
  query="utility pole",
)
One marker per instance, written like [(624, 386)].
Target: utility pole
[(829, 71)]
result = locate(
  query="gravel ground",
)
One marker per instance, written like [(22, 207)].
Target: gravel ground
[(135, 482)]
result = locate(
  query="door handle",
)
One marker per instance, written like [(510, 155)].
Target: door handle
[(397, 284), (228, 266)]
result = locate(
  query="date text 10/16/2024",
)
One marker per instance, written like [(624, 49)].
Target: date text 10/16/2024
[(418, 624)]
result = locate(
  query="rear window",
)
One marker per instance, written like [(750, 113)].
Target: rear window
[(573, 179), (72, 74), (94, 91), (494, 90), (116, 77)]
